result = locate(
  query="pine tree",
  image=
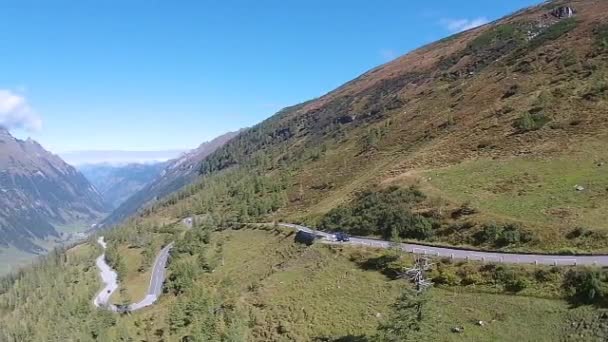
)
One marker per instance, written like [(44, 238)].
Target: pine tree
[(407, 319)]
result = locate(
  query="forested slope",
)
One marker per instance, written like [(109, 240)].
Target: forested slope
[(513, 109), (175, 175)]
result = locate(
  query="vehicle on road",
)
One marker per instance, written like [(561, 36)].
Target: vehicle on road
[(342, 237)]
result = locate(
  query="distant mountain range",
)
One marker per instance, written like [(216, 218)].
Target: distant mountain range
[(39, 192), (119, 157), (176, 174), (116, 183)]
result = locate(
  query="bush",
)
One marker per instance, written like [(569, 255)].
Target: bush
[(182, 276), (464, 210), (597, 89), (386, 212), (469, 276), (584, 286), (530, 122), (579, 232), (446, 275), (502, 235), (513, 90), (516, 285), (601, 37), (510, 279), (568, 59), (545, 276)]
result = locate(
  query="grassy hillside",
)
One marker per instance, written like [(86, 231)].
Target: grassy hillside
[(514, 108), (478, 140), (258, 285)]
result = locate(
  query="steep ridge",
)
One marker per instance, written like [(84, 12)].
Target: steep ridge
[(176, 174), (527, 90), (40, 191)]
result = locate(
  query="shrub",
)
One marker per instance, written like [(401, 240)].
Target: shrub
[(513, 89), (516, 285), (502, 235), (530, 122), (544, 100), (485, 143), (489, 234), (182, 275), (470, 277), (579, 232), (446, 276), (584, 286), (508, 236), (464, 210), (510, 279), (386, 212), (457, 227), (597, 89), (601, 37), (544, 276), (568, 59)]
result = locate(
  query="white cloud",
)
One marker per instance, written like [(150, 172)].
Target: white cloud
[(15, 112), (459, 25), (388, 54)]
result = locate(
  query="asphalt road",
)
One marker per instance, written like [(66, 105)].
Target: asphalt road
[(110, 280), (108, 277), (156, 280), (460, 254)]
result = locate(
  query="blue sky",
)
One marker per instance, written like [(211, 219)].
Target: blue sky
[(159, 75)]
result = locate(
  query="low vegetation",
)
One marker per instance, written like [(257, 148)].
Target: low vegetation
[(547, 198), (499, 236), (263, 286), (552, 33), (601, 37), (386, 213), (530, 122)]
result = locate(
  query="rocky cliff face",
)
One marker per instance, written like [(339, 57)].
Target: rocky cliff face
[(38, 191)]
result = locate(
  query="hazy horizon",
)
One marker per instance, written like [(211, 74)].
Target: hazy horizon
[(119, 157)]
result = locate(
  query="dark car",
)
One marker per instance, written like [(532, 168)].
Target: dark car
[(342, 237)]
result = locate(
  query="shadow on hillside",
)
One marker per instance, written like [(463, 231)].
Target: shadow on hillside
[(348, 338), (381, 264)]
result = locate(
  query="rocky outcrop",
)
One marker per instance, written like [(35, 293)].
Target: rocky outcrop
[(563, 12)]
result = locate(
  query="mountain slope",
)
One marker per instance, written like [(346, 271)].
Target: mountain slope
[(488, 137), (176, 174), (527, 90), (117, 183), (39, 192)]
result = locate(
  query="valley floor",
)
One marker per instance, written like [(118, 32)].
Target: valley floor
[(12, 258)]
